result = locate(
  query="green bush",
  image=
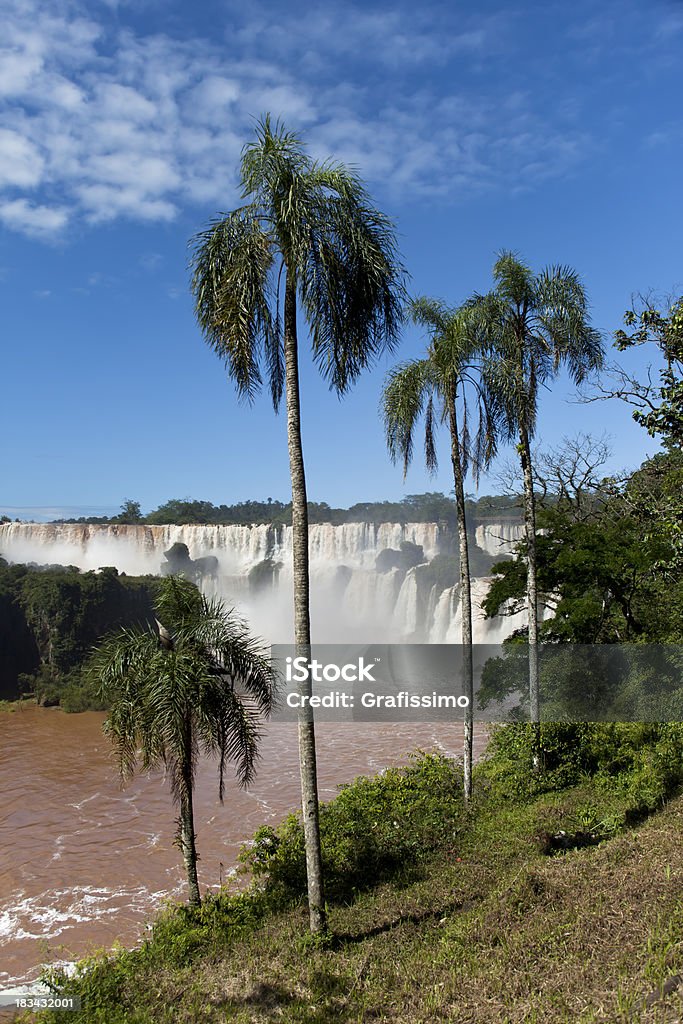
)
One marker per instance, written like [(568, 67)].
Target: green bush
[(372, 830), (648, 768), (643, 761)]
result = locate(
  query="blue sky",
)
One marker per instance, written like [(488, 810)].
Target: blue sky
[(548, 128)]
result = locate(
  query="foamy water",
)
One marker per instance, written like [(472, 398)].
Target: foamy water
[(350, 601)]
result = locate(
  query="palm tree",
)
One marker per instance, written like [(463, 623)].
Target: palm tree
[(411, 390), (201, 684), (307, 235), (534, 324)]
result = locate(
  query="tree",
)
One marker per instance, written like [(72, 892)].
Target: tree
[(199, 683), (130, 513), (308, 235), (534, 324), (412, 390), (568, 476), (614, 572), (657, 408)]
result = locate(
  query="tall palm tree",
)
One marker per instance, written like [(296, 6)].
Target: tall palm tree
[(307, 235), (443, 379), (200, 683), (534, 324)]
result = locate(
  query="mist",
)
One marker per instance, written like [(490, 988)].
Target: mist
[(250, 568)]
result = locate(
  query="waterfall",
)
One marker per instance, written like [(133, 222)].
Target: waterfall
[(498, 539), (350, 600), (446, 627)]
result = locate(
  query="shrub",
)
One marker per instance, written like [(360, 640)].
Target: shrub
[(372, 830), (641, 760)]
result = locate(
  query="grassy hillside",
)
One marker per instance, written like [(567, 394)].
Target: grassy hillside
[(554, 899)]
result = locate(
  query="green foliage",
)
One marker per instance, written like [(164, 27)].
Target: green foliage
[(534, 323), (431, 507), (263, 575), (447, 385), (658, 409), (406, 558), (643, 762), (372, 830), (183, 931), (615, 574), (443, 571), (197, 682), (130, 514), (483, 877), (172, 687), (187, 510), (590, 682), (509, 765), (341, 265), (68, 610), (51, 617)]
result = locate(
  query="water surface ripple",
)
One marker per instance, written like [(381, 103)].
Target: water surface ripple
[(84, 863)]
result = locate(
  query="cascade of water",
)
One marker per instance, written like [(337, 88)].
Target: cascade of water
[(499, 539), (349, 598)]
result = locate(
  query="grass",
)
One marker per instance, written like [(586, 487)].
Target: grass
[(489, 923), (17, 705)]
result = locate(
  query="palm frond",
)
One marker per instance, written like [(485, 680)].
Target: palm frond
[(452, 371), (434, 314), (530, 326), (239, 740), (208, 693), (231, 267), (336, 247), (514, 280), (350, 280), (563, 315), (406, 388), (273, 156)]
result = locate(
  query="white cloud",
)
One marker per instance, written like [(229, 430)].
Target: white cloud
[(102, 123), (20, 162), (113, 100), (147, 175), (107, 202), (214, 92), (37, 221), (17, 70)]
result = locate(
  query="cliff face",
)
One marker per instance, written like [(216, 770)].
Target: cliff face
[(386, 582), (19, 650), (137, 550)]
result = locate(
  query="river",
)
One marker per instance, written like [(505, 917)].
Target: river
[(85, 863)]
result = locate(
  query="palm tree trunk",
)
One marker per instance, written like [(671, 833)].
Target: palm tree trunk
[(186, 834), (465, 598), (302, 623), (531, 587)]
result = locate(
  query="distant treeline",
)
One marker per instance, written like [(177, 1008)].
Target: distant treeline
[(432, 507)]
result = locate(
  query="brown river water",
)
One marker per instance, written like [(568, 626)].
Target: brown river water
[(84, 863)]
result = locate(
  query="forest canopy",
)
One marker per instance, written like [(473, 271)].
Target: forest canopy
[(432, 507)]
